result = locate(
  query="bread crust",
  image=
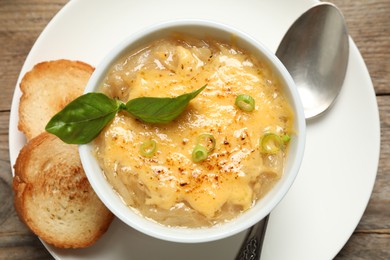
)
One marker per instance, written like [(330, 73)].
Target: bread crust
[(46, 89), (53, 196)]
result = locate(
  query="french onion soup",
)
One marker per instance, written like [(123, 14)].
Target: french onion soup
[(220, 156)]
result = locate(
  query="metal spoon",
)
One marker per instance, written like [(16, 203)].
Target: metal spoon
[(315, 51)]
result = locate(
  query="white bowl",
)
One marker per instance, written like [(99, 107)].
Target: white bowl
[(110, 198)]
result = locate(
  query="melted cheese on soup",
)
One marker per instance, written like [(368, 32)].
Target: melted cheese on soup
[(169, 186)]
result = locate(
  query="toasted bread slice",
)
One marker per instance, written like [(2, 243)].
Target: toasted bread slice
[(46, 89), (53, 196)]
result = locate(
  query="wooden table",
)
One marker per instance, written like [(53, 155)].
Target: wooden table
[(368, 20)]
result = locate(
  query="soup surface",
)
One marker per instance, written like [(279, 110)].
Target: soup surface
[(151, 166)]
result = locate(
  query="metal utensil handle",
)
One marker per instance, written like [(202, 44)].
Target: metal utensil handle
[(253, 242)]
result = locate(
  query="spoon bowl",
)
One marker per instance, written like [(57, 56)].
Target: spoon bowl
[(315, 51)]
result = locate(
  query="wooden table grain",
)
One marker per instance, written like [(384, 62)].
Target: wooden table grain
[(22, 21)]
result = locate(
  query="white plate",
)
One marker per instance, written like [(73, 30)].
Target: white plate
[(331, 192)]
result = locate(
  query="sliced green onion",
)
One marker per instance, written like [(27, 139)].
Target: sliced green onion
[(245, 102), (148, 148), (206, 140), (271, 143), (199, 153), (286, 138)]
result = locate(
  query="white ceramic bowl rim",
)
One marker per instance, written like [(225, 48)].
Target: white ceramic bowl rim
[(262, 207)]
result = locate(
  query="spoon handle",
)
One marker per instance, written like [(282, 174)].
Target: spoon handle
[(253, 242)]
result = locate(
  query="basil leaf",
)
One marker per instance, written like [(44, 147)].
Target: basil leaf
[(160, 110), (83, 118)]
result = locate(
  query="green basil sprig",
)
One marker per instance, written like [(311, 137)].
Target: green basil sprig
[(82, 119)]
